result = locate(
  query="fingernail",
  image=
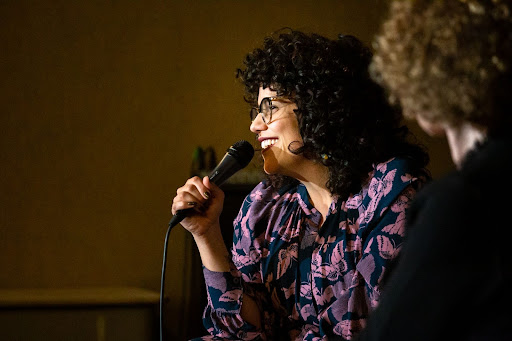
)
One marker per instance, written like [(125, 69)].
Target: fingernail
[(207, 195)]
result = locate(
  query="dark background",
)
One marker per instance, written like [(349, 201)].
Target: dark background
[(102, 105)]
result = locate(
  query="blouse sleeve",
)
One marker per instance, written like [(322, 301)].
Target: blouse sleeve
[(226, 290)]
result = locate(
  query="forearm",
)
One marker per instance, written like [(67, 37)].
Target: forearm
[(212, 250)]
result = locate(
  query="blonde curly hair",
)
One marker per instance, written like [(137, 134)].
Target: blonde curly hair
[(448, 60)]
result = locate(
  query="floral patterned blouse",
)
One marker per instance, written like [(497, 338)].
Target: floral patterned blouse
[(310, 281)]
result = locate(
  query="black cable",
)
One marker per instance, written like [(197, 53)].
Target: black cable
[(162, 283), (174, 221)]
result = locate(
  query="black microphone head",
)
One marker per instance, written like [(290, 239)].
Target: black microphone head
[(242, 151)]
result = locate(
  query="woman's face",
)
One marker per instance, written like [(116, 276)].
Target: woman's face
[(275, 136)]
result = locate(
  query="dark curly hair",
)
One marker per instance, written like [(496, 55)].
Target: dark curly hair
[(449, 61), (342, 112)]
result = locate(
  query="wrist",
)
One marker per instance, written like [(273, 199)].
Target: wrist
[(214, 253), (208, 234)]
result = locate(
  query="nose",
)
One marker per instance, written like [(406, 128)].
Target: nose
[(258, 124)]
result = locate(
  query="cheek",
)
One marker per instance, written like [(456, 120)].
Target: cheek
[(295, 139), (292, 132)]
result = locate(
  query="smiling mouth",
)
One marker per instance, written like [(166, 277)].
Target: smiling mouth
[(265, 144)]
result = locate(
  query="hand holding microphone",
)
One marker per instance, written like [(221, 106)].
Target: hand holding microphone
[(196, 192)]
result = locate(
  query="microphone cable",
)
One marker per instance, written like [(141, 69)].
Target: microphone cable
[(174, 221), (162, 283)]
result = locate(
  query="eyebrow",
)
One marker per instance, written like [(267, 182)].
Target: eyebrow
[(282, 100)]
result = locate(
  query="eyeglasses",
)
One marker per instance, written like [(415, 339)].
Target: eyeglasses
[(267, 109)]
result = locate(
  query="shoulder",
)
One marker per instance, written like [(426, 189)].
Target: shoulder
[(390, 184), (392, 177), (450, 208), (449, 214), (395, 168), (446, 194)]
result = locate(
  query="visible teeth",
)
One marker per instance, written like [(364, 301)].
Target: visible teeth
[(267, 143)]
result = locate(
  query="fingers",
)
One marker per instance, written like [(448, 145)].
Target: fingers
[(194, 194), (178, 205)]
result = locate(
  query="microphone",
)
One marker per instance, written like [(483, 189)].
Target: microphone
[(237, 157)]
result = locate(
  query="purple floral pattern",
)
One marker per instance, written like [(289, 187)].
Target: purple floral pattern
[(310, 281)]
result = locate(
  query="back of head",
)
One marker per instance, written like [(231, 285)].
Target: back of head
[(342, 112), (448, 60)]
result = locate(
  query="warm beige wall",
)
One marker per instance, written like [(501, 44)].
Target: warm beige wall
[(102, 105)]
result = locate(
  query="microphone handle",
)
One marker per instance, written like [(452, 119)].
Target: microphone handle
[(228, 166), (178, 217), (224, 170)]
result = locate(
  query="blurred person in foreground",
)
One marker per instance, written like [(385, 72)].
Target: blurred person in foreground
[(312, 241), (448, 63)]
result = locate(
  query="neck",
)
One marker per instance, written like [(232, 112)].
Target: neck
[(462, 139), (314, 178)]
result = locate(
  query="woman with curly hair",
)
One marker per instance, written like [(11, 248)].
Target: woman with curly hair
[(449, 64), (312, 241)]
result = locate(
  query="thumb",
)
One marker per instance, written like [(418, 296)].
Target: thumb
[(212, 187), (207, 182)]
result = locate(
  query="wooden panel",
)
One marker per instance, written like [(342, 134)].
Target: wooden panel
[(78, 314)]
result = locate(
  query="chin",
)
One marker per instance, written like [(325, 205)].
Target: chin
[(270, 164), (269, 171)]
